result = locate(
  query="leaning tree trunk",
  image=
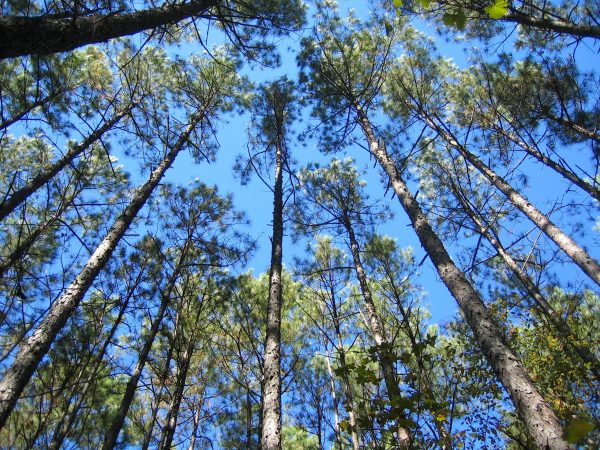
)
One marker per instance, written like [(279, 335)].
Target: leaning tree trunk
[(384, 352), (558, 168), (271, 386), (43, 177), (71, 413), (540, 421), (579, 256), (542, 304), (37, 345), (21, 36), (158, 397)]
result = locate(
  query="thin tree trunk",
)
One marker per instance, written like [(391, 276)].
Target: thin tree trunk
[(110, 440), (71, 413), (579, 256), (271, 410), (196, 423), (43, 177), (248, 419), (384, 351), (171, 419), (21, 36), (33, 350), (558, 168), (542, 304), (163, 377), (346, 385), (540, 421), (336, 414)]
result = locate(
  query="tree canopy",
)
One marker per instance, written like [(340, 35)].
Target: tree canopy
[(400, 249)]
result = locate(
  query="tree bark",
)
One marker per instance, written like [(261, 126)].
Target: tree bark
[(43, 177), (271, 408), (579, 256), (70, 415), (384, 351), (540, 421), (37, 345), (542, 304), (21, 36)]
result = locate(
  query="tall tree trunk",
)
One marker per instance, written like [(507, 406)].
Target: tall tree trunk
[(542, 304), (37, 345), (70, 415), (271, 408), (579, 256), (336, 408), (110, 440), (540, 421), (154, 409), (346, 385), (21, 36), (384, 352), (195, 424), (171, 420), (19, 196)]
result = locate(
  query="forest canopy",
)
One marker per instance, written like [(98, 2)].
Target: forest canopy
[(299, 225)]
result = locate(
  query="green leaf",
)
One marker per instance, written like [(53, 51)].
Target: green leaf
[(498, 10), (388, 28), (448, 19), (425, 3), (398, 4), (459, 21), (577, 429)]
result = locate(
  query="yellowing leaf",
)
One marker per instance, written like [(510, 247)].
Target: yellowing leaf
[(398, 4), (498, 10)]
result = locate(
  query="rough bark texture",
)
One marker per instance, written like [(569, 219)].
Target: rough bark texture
[(43, 177), (21, 36), (540, 421), (384, 355), (37, 345), (579, 256), (271, 409)]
